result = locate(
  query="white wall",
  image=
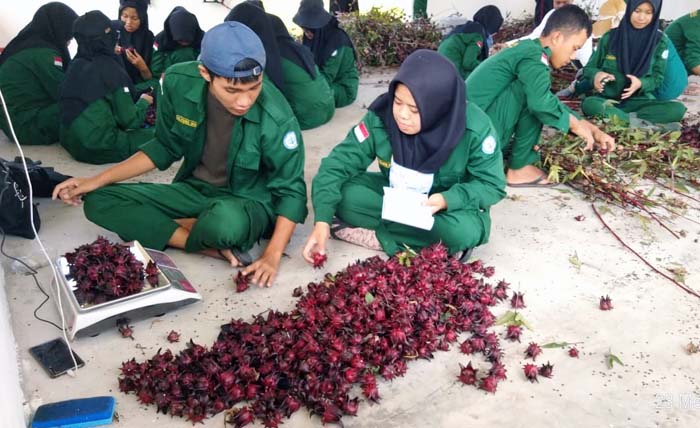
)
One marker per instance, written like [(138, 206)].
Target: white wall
[(11, 414)]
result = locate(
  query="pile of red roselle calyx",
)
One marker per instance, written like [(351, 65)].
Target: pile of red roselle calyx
[(345, 333), (105, 271)]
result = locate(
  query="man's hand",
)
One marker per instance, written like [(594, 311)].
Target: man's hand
[(71, 190), (600, 79), (148, 98), (264, 270), (317, 241), (635, 85), (436, 202), (601, 139), (583, 130)]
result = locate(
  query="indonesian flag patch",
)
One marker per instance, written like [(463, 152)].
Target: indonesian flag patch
[(480, 44), (361, 132), (155, 46), (544, 59), (58, 61)]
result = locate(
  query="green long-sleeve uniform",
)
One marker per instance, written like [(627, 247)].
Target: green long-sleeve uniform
[(311, 99), (684, 32), (29, 81), (471, 180), (341, 74), (161, 60), (513, 88), (108, 130), (643, 102), (464, 50), (264, 168)]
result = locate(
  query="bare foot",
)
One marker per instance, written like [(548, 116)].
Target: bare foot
[(526, 174), (224, 254)]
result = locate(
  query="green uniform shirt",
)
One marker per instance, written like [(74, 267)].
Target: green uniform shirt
[(471, 178), (604, 60), (527, 63), (30, 81), (464, 50), (161, 60), (341, 74), (684, 32), (311, 99), (266, 157), (108, 130)]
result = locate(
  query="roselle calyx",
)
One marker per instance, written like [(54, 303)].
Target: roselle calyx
[(173, 336), (467, 374), (573, 352), (546, 370), (605, 303), (517, 301), (530, 371), (533, 350)]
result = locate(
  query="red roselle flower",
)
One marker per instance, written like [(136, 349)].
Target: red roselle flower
[(605, 303), (319, 260), (513, 333), (573, 352), (546, 370), (517, 301), (173, 336), (533, 350), (530, 371), (241, 282), (467, 374)]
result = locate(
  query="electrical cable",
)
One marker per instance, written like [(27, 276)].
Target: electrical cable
[(36, 234)]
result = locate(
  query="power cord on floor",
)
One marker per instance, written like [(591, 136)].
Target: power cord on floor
[(36, 234)]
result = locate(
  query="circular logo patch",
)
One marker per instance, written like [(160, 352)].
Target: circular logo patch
[(488, 146), (290, 140)]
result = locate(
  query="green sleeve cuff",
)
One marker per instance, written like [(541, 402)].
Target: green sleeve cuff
[(323, 214), (563, 122), (292, 208), (159, 155), (453, 200)]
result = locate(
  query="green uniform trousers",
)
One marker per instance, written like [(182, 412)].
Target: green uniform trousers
[(146, 212), (651, 110), (39, 126), (511, 117), (361, 206)]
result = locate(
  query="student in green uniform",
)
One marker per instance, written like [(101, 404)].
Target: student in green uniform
[(628, 66), (180, 41), (513, 88), (32, 66), (306, 90), (135, 42), (426, 138), (333, 50), (256, 19), (684, 32), (242, 174), (467, 45), (100, 123)]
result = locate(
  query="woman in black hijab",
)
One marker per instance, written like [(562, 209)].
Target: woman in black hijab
[(32, 67), (629, 65), (430, 144), (306, 90), (467, 45), (180, 41), (99, 121), (256, 19), (333, 50), (135, 41)]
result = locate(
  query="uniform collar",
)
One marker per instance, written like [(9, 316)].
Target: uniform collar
[(198, 95), (547, 51)]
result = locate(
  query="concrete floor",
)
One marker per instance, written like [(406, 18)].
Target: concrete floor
[(534, 234)]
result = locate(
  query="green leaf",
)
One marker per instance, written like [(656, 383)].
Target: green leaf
[(521, 321), (506, 318), (575, 262), (562, 345), (611, 359), (369, 298), (446, 316)]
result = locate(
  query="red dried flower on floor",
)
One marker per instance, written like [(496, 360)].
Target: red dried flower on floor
[(467, 374), (319, 260), (513, 333), (297, 292), (517, 301), (573, 352), (530, 371), (152, 273), (605, 303), (241, 282), (546, 370), (580, 218), (173, 336), (533, 350), (240, 417), (489, 384)]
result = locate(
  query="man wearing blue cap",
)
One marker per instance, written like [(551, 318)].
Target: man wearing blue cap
[(243, 160)]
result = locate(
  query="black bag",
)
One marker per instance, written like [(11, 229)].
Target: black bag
[(14, 194)]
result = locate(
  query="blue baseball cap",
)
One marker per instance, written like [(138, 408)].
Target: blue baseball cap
[(229, 43)]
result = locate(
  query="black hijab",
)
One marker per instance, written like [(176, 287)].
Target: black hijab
[(290, 49), (180, 26), (635, 48), (51, 27), (256, 19), (141, 40), (487, 21), (96, 70), (440, 95), (327, 40)]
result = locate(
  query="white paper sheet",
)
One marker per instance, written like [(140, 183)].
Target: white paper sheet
[(406, 207)]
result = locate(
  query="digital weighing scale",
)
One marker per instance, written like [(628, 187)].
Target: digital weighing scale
[(173, 291)]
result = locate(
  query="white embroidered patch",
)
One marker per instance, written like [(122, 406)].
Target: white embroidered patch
[(488, 146), (126, 89), (544, 59), (665, 54), (335, 53), (290, 140)]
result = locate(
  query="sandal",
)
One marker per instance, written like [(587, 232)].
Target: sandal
[(359, 236)]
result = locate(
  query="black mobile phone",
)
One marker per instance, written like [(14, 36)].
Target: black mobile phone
[(54, 357)]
